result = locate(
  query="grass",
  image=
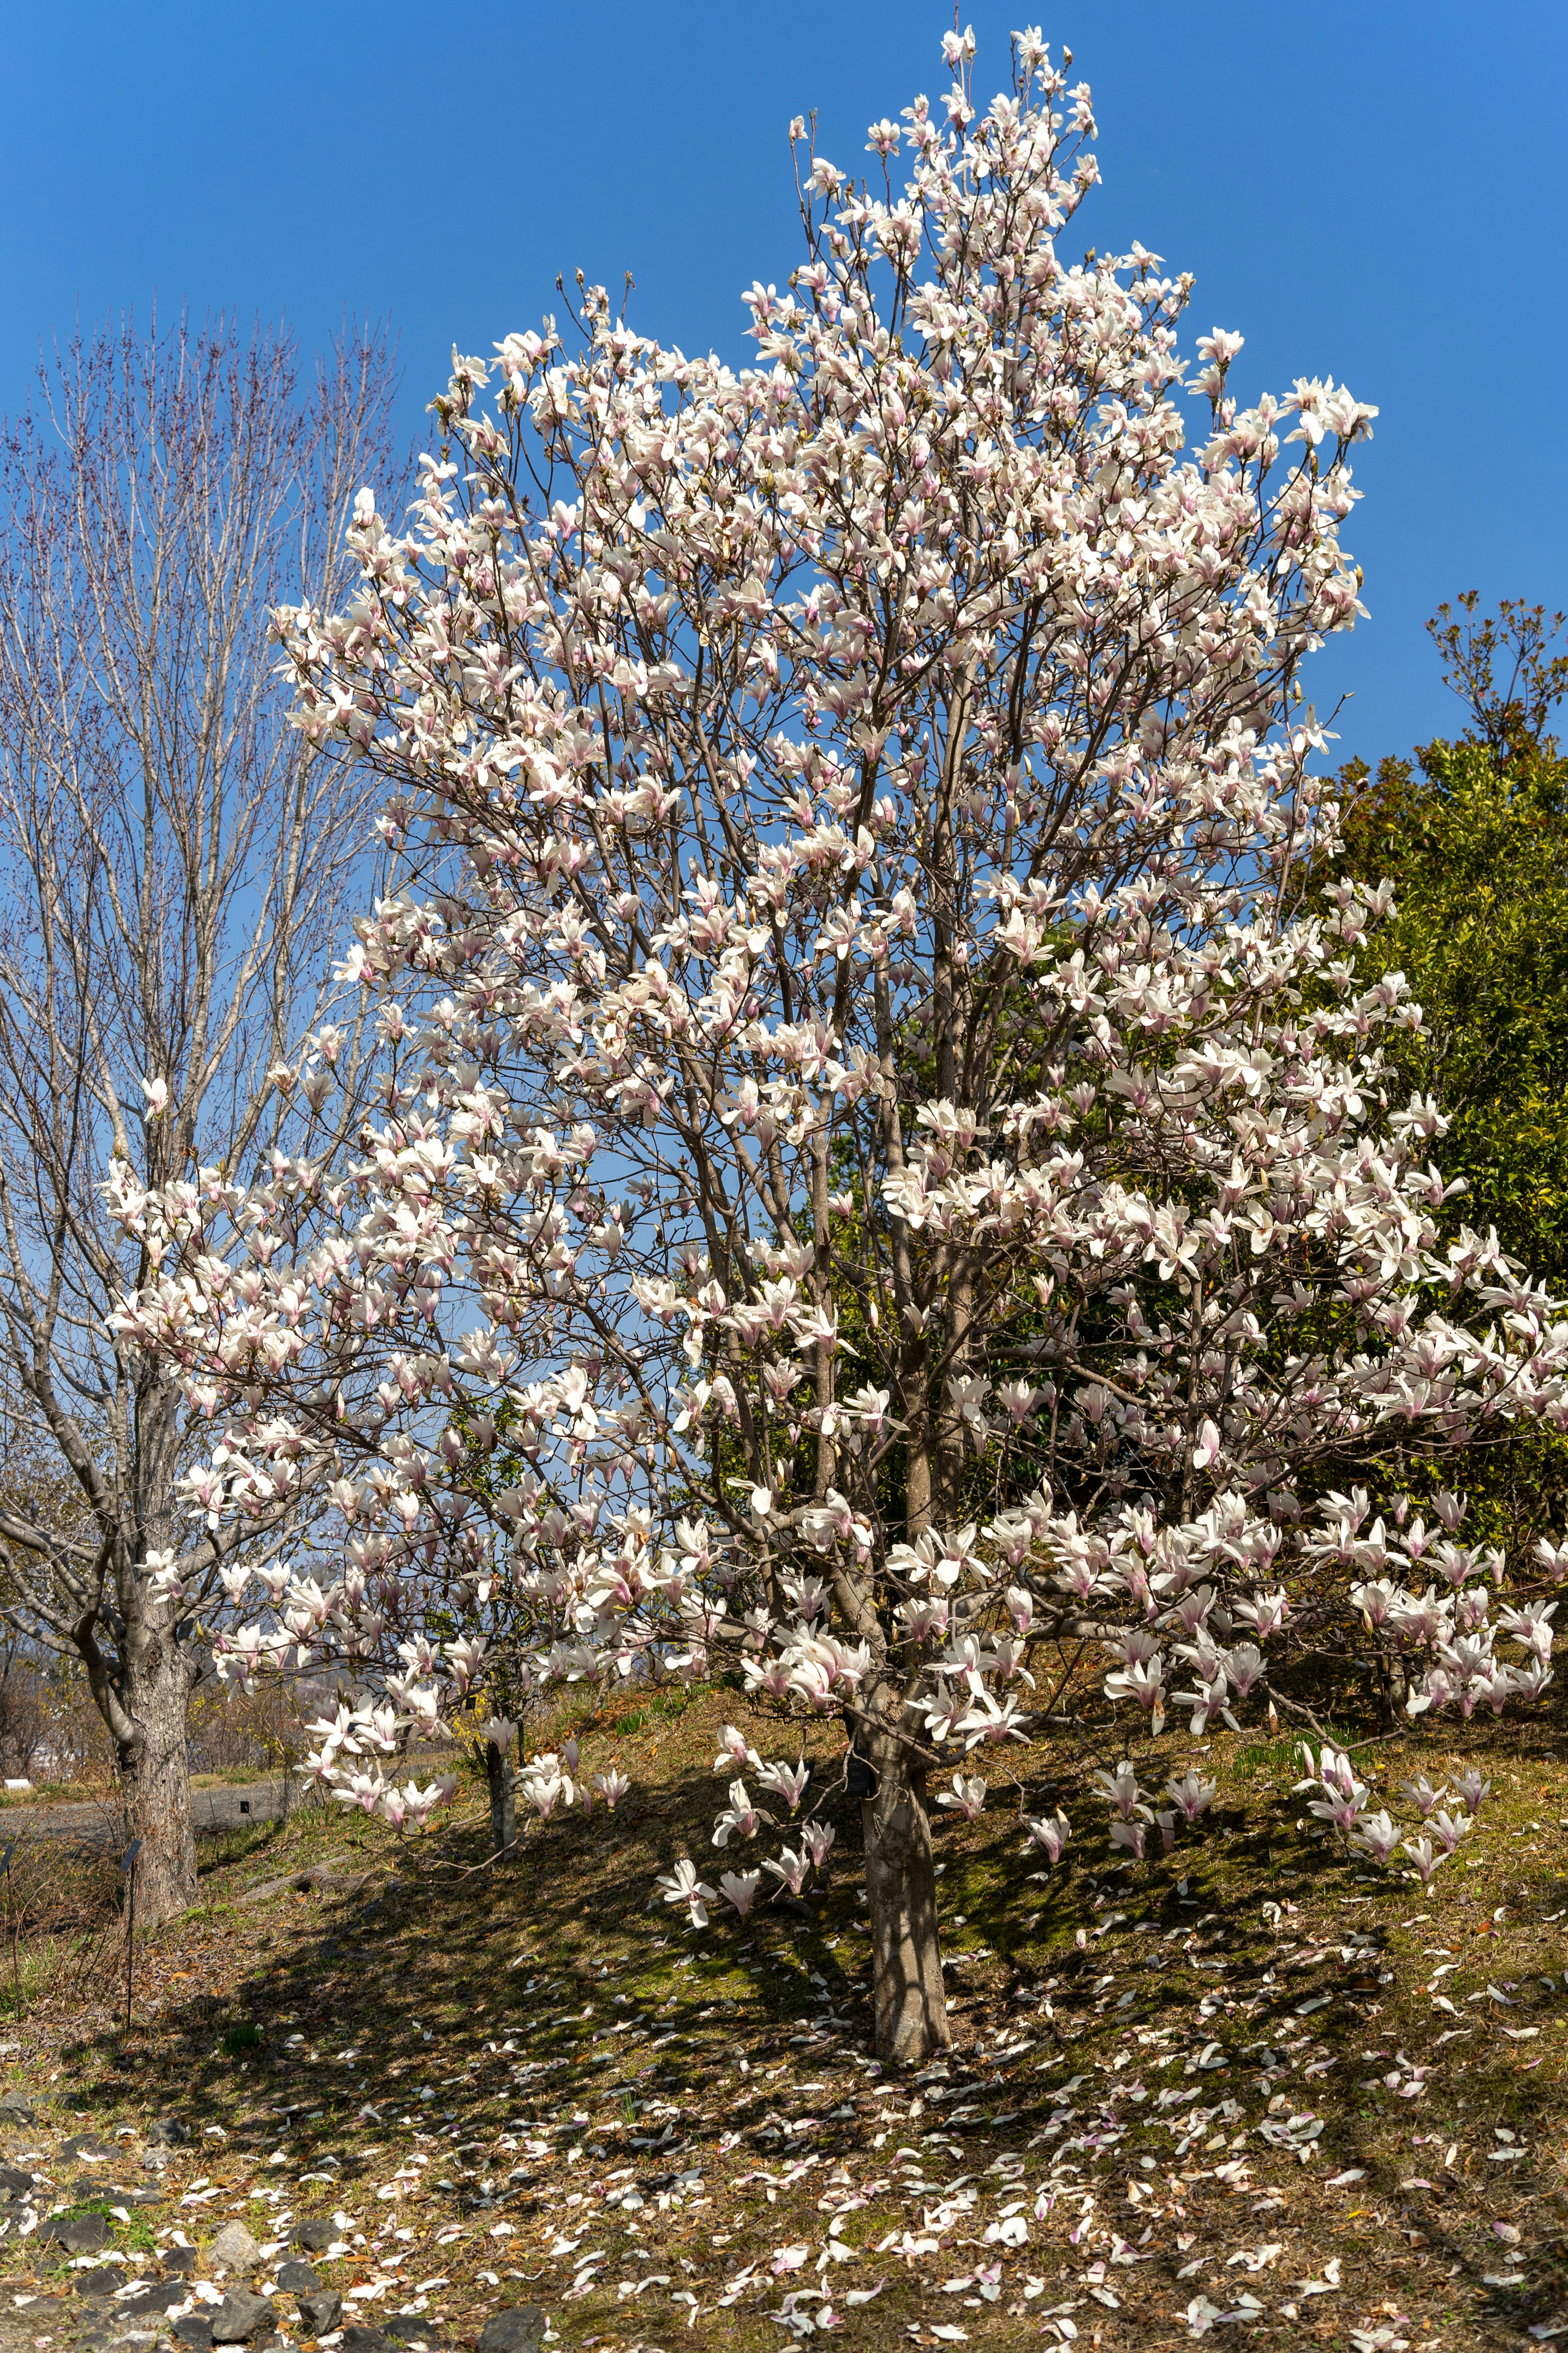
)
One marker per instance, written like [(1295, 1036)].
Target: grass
[(1215, 2096), (235, 1842), (52, 1793), (34, 1970), (105, 1794)]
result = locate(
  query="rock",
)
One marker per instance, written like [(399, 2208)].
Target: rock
[(518, 2329), (234, 2250), (91, 2147), (18, 2107), (15, 2184), (168, 2132), (90, 2184), (179, 2259), (320, 2314), (315, 2237), (415, 2329), (195, 2329), (104, 2281), (298, 2278), (241, 2316), (323, 1874), (81, 2234), (160, 2295), (366, 2340)]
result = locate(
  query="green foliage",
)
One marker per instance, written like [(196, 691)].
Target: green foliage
[(1476, 845), (1473, 835)]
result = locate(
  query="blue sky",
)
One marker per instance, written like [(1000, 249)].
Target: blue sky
[(1374, 192)]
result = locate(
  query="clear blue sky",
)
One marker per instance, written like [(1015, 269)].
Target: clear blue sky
[(1376, 192)]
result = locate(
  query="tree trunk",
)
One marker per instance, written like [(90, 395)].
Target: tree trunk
[(909, 2007), (504, 1814), (155, 1773), (1395, 1690)]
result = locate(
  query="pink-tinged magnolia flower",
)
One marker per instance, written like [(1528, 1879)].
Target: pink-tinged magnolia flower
[(1421, 1854), (739, 1818), (1265, 1612), (740, 1888), (1191, 1795), (989, 1719), (1423, 1796), (1449, 1829), (788, 1781), (418, 1804), (789, 1868), (1141, 1681), (365, 1790), (1376, 1835), (733, 1750), (818, 1839), (463, 1656), (1049, 1833), (966, 1795), (1207, 1449), (542, 1790), (683, 1885), (1119, 1790), (1553, 1558)]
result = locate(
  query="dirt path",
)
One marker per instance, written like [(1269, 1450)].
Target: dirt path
[(223, 1808)]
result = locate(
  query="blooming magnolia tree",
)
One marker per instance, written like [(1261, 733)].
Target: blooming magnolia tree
[(876, 1185)]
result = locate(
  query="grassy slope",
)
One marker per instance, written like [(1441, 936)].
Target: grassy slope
[(478, 2062)]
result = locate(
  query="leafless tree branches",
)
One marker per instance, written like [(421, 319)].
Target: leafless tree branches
[(176, 857)]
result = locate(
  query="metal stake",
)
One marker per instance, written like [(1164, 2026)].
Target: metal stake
[(128, 1865), (10, 1850)]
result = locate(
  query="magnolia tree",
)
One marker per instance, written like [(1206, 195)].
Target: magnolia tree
[(878, 1184)]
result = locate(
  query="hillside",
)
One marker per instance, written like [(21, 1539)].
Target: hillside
[(1264, 2095)]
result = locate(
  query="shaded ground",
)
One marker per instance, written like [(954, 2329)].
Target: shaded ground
[(1339, 2121)]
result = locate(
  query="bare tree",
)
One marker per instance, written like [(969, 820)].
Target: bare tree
[(1503, 669), (175, 856)]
